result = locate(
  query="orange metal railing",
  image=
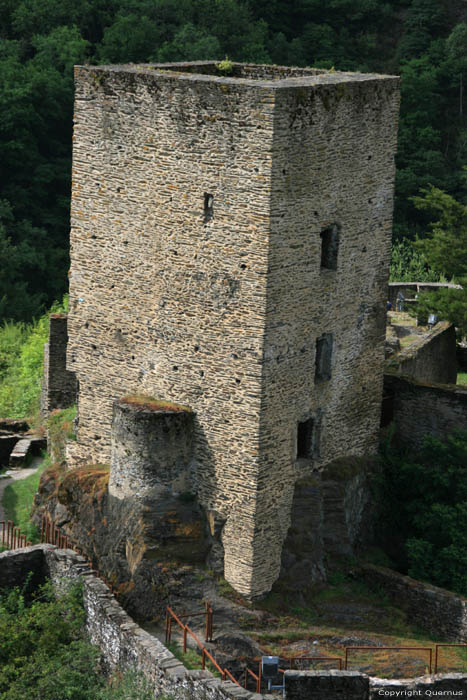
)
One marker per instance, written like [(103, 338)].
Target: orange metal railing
[(11, 536), (205, 654)]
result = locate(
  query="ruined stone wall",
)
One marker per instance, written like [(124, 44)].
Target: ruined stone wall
[(430, 359), (58, 384), (436, 609), (151, 449), (330, 517), (198, 205), (425, 409)]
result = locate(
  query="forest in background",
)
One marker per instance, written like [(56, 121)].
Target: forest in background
[(425, 41)]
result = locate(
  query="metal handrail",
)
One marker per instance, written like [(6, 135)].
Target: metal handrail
[(12, 536), (187, 631)]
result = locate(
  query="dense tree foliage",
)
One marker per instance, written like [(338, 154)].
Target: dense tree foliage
[(444, 248), (425, 510), (423, 40), (44, 652)]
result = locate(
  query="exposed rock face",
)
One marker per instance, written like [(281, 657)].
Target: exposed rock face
[(130, 541)]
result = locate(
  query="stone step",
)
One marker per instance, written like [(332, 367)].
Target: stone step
[(20, 453)]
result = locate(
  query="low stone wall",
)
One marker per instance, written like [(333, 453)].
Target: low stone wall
[(317, 685), (445, 685), (351, 685), (441, 612), (422, 409), (432, 358), (123, 643)]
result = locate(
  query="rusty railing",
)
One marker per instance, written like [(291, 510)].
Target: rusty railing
[(257, 678), (208, 613), (293, 659), (51, 534), (170, 615), (428, 649), (439, 646), (11, 536)]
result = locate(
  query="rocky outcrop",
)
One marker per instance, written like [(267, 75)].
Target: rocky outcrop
[(131, 540)]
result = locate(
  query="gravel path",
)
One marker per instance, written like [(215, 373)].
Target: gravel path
[(15, 475)]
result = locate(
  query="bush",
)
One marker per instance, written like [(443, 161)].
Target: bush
[(425, 501), (44, 653), (23, 359)]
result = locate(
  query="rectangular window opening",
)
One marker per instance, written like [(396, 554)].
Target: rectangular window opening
[(305, 439), (329, 247), (208, 206), (323, 358)]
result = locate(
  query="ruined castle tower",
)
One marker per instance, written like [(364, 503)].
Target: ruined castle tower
[(230, 242)]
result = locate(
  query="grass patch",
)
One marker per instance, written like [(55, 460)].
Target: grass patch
[(18, 499), (150, 403), (462, 378)]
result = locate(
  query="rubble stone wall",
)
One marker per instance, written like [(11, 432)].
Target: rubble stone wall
[(436, 609), (59, 385), (425, 409), (351, 685)]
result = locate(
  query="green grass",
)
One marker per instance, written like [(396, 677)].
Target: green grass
[(191, 659), (462, 378), (17, 502)]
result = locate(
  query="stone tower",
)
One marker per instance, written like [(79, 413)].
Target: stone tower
[(230, 242)]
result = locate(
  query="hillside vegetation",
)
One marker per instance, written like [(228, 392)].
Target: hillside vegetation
[(425, 41)]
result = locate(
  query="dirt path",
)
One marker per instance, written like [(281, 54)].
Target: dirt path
[(15, 475)]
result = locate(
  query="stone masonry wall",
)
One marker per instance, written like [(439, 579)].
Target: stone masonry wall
[(59, 385), (198, 204), (426, 409), (351, 685), (441, 612), (329, 517), (430, 359)]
